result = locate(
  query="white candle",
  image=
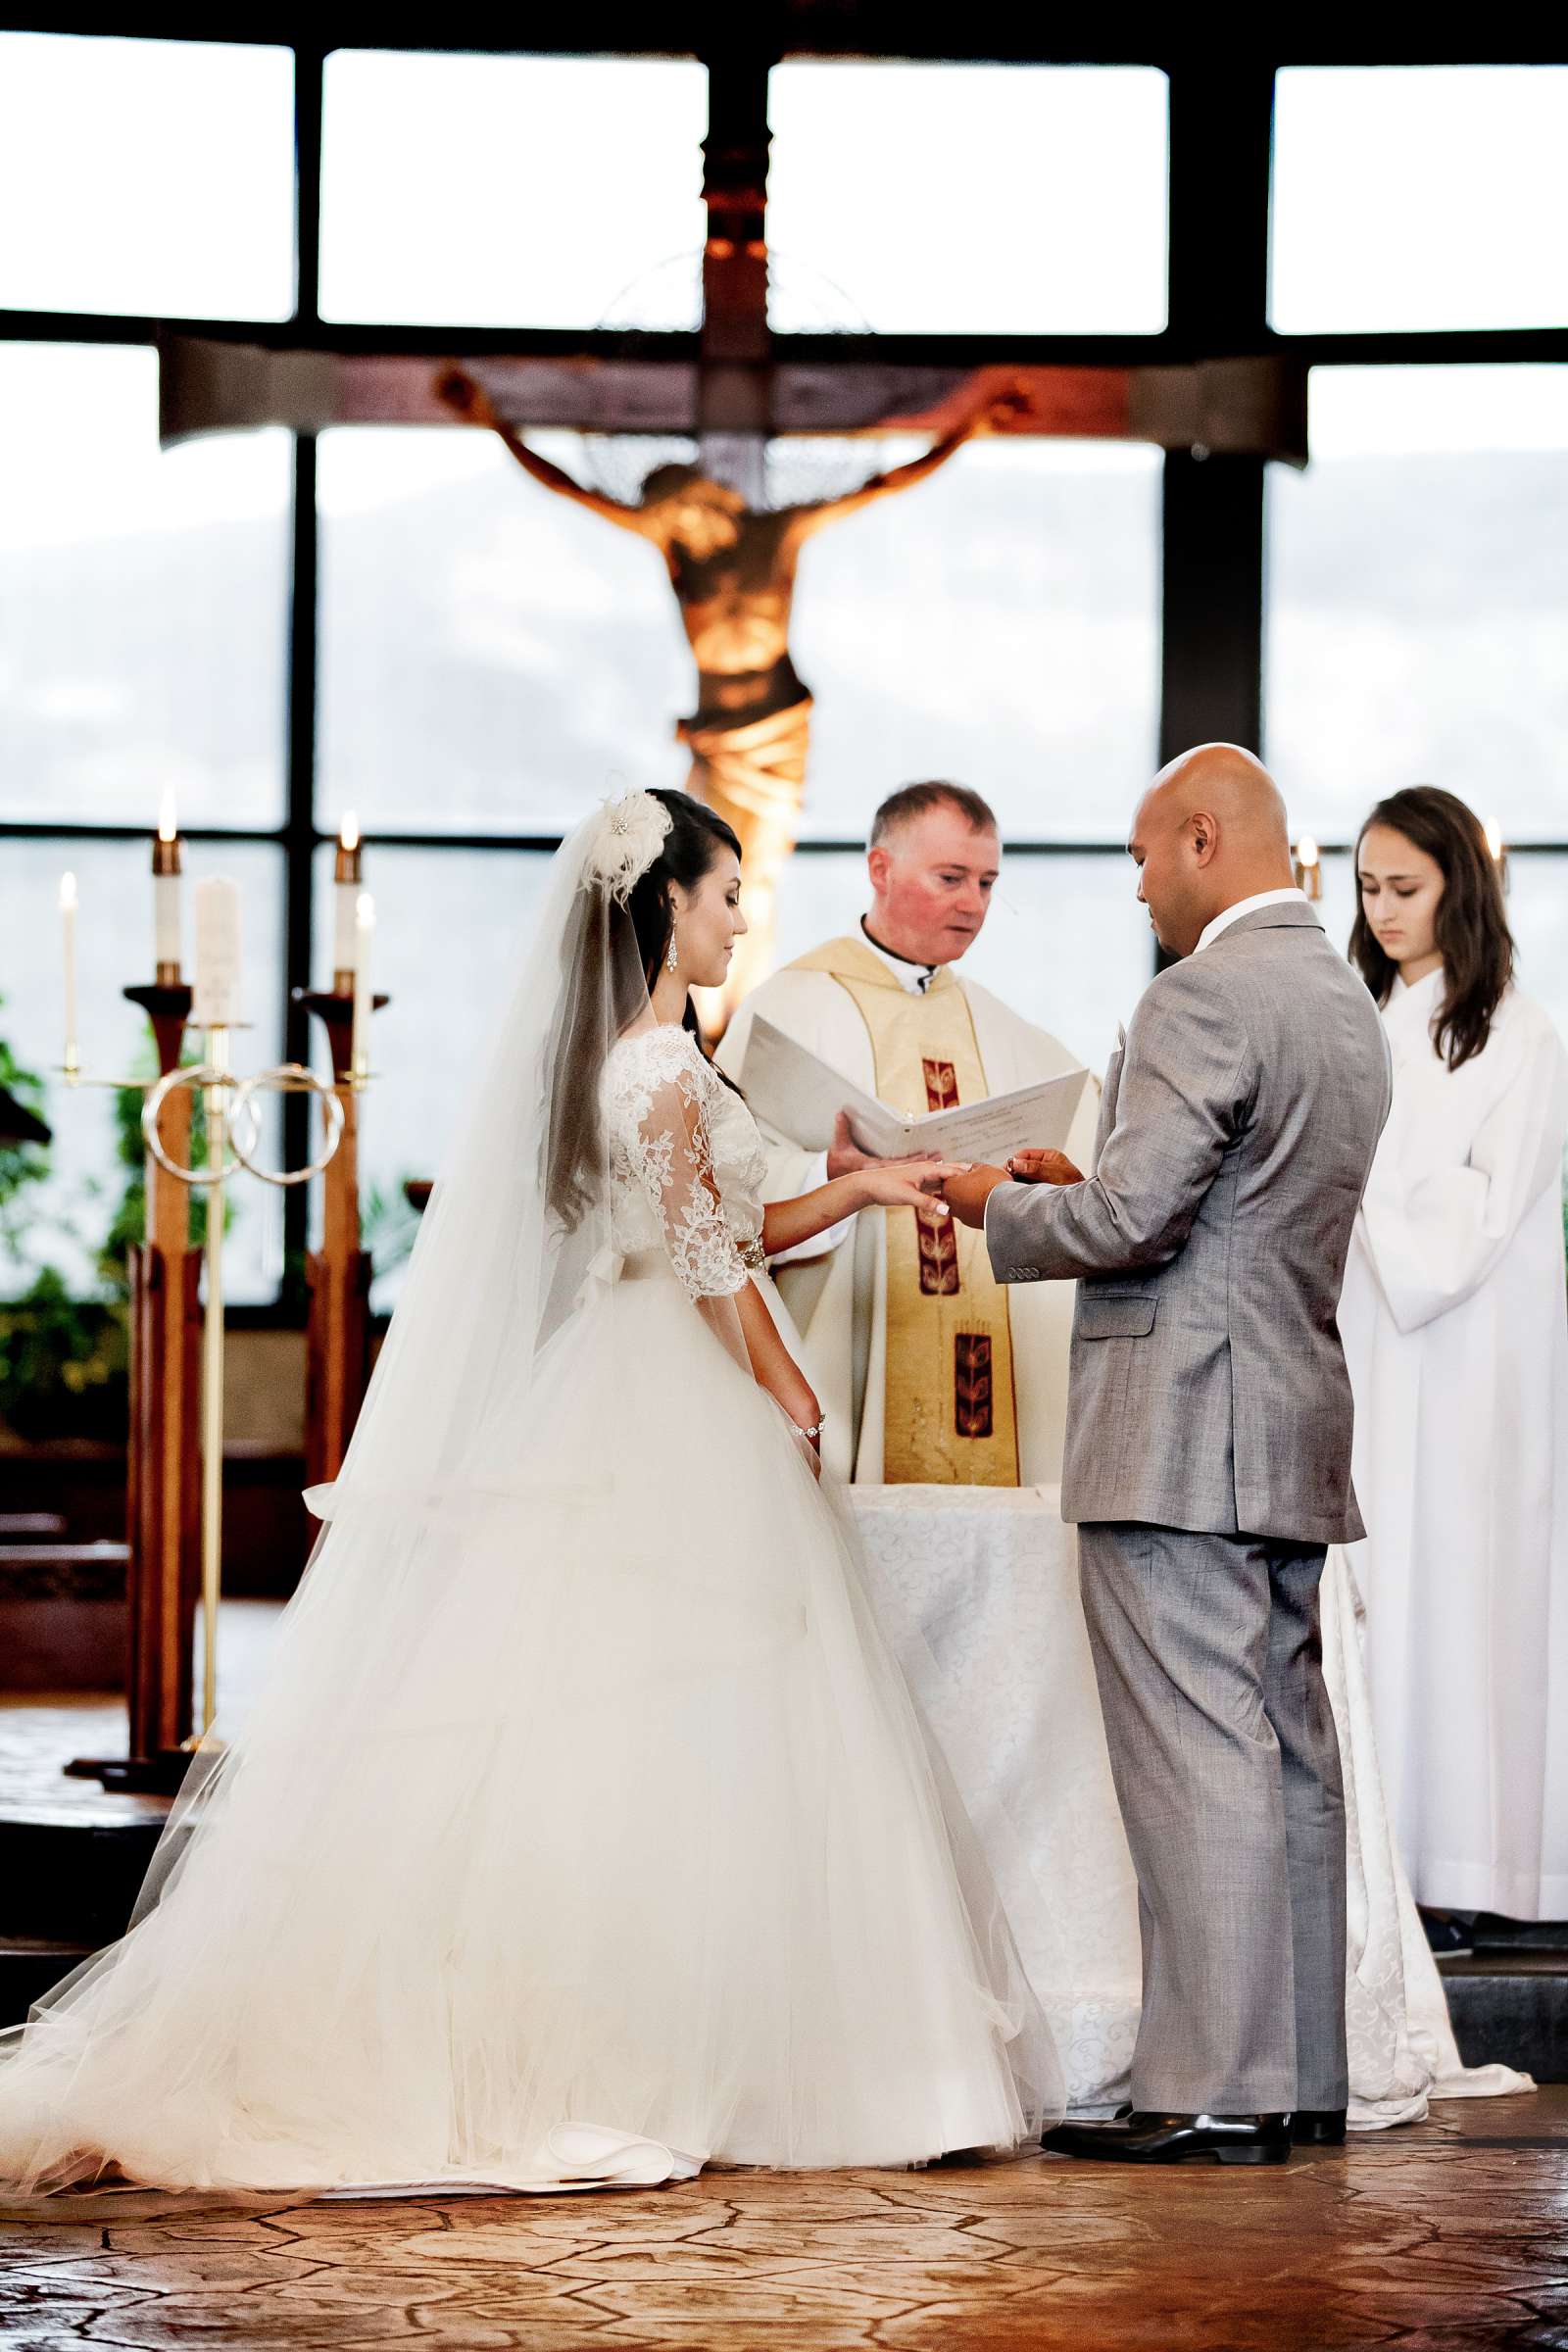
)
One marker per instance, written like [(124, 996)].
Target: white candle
[(168, 943), (67, 926), (217, 948), (1309, 871), (345, 898), (359, 1036)]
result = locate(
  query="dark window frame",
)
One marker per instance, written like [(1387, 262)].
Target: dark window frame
[(1212, 516)]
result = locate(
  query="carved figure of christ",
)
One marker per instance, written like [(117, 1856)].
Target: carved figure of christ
[(733, 571)]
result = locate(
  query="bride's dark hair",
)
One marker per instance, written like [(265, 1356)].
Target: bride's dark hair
[(614, 967), (1472, 928)]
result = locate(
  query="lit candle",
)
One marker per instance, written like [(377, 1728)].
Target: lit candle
[(1498, 849), (1308, 869), (68, 926), (167, 939), (359, 1036), (217, 941), (345, 897)]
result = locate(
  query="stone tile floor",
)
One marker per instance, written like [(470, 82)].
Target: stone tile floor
[(1452, 2233)]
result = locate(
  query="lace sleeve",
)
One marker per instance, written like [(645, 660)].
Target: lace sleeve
[(673, 1158)]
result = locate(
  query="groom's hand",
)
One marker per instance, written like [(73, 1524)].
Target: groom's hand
[(1043, 1168), (967, 1191)]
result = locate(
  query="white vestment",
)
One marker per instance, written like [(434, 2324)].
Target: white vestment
[(835, 1290), (1455, 1331)]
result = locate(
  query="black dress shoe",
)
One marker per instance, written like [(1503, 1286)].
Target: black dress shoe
[(1450, 1933), (1317, 2127), (1141, 2138)]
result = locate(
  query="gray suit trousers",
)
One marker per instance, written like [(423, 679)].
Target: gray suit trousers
[(1208, 1655)]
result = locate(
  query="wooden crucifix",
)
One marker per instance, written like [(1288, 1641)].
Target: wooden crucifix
[(731, 560), (733, 567)]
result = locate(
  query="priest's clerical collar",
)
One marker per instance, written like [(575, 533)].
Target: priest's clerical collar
[(915, 977)]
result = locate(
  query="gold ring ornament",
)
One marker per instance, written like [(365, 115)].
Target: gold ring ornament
[(242, 1126)]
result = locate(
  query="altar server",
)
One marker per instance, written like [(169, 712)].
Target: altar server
[(1455, 1332), (929, 1369)]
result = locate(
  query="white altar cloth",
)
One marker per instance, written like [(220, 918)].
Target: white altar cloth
[(978, 1588)]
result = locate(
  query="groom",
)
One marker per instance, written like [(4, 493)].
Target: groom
[(1208, 1460)]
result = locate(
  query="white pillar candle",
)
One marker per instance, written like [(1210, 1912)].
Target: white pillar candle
[(67, 926), (345, 897), (218, 949), (359, 1036), (168, 943)]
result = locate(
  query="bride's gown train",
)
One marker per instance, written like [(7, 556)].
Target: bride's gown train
[(584, 1830)]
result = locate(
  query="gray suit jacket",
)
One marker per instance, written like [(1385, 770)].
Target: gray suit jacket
[(1208, 1387)]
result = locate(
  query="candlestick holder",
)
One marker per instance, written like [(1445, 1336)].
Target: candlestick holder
[(1309, 869), (170, 1332), (338, 1274)]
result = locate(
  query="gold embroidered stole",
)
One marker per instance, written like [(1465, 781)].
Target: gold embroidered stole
[(950, 1417)]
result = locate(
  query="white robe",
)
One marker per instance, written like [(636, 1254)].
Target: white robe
[(1455, 1330), (843, 1290)]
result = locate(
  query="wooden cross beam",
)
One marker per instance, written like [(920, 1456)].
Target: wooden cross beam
[(733, 383), (1252, 406)]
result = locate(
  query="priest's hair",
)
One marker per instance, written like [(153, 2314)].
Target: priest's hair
[(914, 800)]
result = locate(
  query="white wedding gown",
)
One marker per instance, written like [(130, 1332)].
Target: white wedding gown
[(632, 1855)]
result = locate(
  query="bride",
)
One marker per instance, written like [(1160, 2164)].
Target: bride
[(585, 1831)]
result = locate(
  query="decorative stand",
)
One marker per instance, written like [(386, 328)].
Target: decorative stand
[(338, 1274), (162, 1503), (170, 1334)]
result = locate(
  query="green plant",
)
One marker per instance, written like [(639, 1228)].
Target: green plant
[(65, 1360), (389, 1224), (63, 1363), (20, 1165)]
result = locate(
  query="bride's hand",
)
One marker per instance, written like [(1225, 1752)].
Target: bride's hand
[(892, 1184), (799, 1407)]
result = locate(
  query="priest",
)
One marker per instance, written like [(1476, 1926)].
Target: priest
[(928, 1369)]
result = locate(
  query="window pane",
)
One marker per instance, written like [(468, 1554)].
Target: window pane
[(1418, 597), (447, 1000), (148, 177), (1000, 624), (501, 191), (1538, 917), (143, 601), (1065, 944), (67, 1217), (493, 659), (1409, 197), (1030, 198)]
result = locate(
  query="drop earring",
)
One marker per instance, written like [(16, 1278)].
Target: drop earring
[(671, 960)]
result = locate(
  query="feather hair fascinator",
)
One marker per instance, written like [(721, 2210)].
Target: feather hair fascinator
[(623, 843)]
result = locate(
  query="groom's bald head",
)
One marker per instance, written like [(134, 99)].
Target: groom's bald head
[(1210, 830)]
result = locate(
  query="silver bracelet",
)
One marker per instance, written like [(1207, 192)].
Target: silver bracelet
[(815, 1431)]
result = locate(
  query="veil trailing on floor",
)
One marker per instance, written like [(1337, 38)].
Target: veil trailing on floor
[(532, 1824)]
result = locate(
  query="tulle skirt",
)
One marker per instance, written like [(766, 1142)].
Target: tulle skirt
[(584, 1831)]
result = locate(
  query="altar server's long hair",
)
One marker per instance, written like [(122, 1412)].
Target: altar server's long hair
[(1471, 926)]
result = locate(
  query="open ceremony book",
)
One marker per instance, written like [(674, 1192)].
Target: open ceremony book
[(801, 1095)]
